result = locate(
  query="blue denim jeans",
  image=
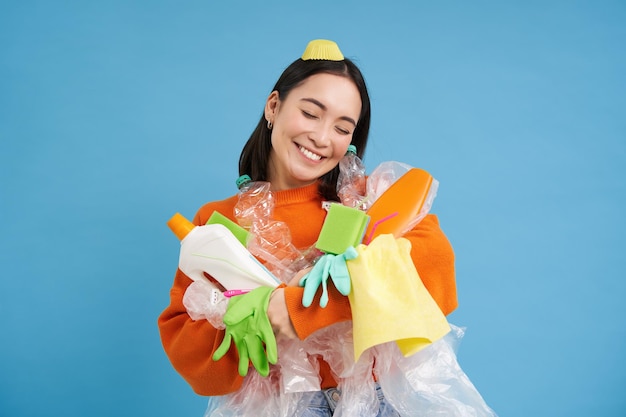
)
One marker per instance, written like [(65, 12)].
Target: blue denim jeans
[(323, 403)]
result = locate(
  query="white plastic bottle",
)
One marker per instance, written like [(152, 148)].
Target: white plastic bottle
[(213, 249)]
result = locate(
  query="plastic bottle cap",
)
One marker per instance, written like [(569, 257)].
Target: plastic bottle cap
[(180, 225), (243, 180), (351, 149)]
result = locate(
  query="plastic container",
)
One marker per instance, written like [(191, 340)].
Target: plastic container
[(215, 250), (351, 183), (402, 205)]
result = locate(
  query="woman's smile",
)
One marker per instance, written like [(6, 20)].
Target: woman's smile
[(311, 156)]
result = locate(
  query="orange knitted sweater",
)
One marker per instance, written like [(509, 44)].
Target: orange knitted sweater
[(190, 344)]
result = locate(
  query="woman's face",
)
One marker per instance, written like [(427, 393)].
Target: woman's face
[(312, 129)]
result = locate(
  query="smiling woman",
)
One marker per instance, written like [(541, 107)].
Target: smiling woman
[(317, 109), (352, 113)]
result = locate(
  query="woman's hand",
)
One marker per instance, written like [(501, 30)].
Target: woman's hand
[(295, 281), (277, 310), (279, 316)]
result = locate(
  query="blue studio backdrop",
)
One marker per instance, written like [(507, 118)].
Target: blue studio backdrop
[(115, 115)]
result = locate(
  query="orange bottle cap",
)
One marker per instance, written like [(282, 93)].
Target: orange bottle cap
[(180, 225)]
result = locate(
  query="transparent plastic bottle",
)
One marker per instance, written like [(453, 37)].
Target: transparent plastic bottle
[(352, 182), (270, 240)]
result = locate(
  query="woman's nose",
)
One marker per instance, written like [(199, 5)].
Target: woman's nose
[(322, 136)]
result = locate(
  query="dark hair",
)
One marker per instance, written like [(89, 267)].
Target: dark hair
[(254, 158)]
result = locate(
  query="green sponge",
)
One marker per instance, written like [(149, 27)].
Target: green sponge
[(343, 227), (239, 232)]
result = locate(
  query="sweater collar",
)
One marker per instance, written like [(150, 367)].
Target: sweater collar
[(297, 195)]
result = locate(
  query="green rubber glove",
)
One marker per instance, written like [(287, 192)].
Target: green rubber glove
[(248, 326), (328, 265)]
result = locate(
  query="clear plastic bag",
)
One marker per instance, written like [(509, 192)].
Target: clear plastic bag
[(383, 176), (257, 397), (299, 370), (358, 389), (203, 300), (430, 381)]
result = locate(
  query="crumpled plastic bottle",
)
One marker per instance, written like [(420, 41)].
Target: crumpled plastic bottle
[(352, 182), (270, 240)]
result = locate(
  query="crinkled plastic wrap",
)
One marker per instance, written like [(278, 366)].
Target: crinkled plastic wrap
[(383, 176), (428, 383), (354, 379), (299, 371), (203, 300), (257, 397)]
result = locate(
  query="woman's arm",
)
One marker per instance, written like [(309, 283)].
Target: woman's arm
[(433, 257), (307, 320), (190, 346)]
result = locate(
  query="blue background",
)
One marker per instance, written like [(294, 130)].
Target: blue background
[(115, 115)]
